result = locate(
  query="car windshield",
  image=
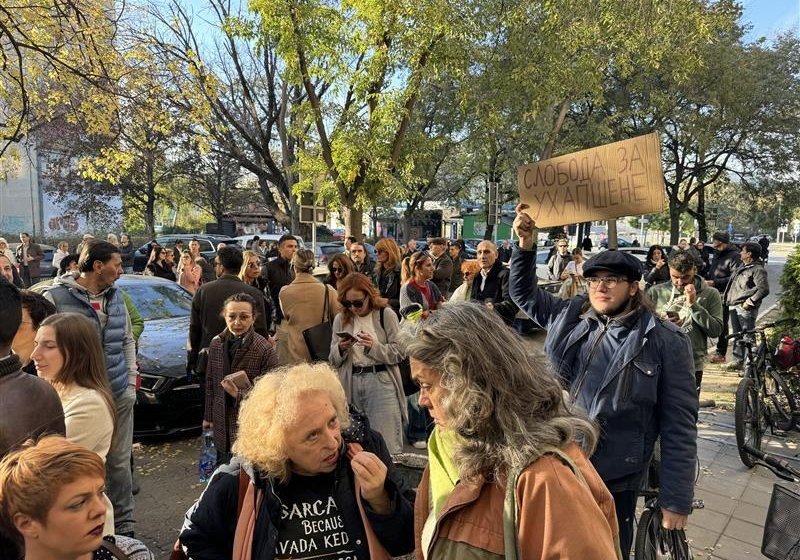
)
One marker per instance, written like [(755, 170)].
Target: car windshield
[(159, 301)]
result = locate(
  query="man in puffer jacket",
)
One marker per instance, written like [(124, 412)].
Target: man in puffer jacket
[(748, 287)]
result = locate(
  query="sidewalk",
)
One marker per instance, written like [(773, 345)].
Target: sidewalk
[(736, 499)]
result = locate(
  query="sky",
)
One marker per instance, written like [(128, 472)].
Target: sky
[(769, 17)]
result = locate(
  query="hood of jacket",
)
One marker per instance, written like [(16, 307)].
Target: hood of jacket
[(70, 280)]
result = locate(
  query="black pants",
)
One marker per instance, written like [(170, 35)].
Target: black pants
[(625, 504), (698, 379), (722, 342)]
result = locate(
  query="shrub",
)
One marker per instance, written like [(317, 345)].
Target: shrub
[(790, 297)]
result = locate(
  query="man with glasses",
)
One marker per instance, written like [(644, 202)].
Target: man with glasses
[(559, 259), (630, 370)]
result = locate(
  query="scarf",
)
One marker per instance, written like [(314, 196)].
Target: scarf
[(442, 469)]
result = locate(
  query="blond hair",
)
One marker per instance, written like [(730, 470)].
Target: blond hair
[(270, 409), (246, 256)]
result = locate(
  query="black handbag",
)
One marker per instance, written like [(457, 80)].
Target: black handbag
[(318, 338)]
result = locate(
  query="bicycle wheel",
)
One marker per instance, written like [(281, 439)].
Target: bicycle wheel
[(644, 546), (780, 396), (748, 419)]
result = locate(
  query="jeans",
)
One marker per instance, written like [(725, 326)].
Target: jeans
[(119, 482), (376, 396), (418, 420), (742, 320)]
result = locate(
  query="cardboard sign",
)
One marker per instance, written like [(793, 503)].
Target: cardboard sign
[(619, 179)]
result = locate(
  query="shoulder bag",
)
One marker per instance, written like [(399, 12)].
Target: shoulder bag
[(318, 337)]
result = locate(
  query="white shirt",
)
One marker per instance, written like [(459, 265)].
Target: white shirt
[(360, 357), (484, 276)]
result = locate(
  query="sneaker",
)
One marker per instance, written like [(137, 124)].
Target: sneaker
[(717, 359), (420, 445)]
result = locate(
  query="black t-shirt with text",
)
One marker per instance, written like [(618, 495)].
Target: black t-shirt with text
[(312, 525)]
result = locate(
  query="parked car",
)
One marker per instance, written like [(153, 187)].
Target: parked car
[(46, 264), (167, 401), (208, 247), (243, 240), (371, 251), (326, 251), (620, 243)]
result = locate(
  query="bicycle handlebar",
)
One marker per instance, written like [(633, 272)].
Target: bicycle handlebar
[(780, 467), (758, 330)]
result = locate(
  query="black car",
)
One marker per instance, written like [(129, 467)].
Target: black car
[(167, 402)]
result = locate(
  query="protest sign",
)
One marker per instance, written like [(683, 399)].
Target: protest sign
[(619, 179)]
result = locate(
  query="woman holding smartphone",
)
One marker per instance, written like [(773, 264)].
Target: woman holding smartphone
[(236, 357), (365, 351)]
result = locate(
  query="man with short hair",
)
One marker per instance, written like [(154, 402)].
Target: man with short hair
[(348, 243), (279, 273), (177, 250), (748, 287), (718, 275), (504, 252), (91, 293), (29, 406), (206, 320), (442, 265), (631, 372), (361, 261), (692, 305), (29, 256), (490, 285), (559, 260)]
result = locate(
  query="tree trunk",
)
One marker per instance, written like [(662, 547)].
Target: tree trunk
[(674, 223), (702, 224), (612, 233), (295, 209), (353, 219), (264, 187)]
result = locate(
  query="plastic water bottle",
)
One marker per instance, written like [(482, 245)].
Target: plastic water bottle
[(208, 456)]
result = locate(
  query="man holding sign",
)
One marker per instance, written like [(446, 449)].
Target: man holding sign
[(630, 370)]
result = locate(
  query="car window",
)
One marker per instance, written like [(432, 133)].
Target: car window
[(159, 301)]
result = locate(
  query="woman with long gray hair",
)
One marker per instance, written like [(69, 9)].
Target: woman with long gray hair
[(502, 423)]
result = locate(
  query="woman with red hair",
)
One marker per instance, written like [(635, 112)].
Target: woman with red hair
[(365, 351)]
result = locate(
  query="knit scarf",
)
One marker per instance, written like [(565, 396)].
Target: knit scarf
[(10, 364)]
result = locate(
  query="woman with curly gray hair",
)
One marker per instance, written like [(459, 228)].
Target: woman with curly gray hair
[(505, 441)]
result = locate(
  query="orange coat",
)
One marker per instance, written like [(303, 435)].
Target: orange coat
[(559, 517)]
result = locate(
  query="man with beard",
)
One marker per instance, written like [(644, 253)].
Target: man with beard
[(631, 371), (692, 305), (559, 259)]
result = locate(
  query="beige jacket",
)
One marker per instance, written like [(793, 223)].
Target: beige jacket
[(302, 305)]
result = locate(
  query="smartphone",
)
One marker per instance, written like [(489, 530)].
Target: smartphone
[(346, 336)]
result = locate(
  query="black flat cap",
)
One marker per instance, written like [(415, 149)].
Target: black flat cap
[(618, 262)]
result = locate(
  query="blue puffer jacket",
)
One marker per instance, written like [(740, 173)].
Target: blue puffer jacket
[(647, 391), (70, 297)]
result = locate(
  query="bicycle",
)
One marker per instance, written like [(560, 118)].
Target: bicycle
[(652, 542), (781, 539), (763, 398)]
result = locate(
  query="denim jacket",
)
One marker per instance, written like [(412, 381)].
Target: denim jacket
[(647, 388)]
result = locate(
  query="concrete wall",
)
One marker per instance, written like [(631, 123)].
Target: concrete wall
[(20, 200)]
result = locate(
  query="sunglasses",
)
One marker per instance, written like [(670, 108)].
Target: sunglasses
[(337, 269), (353, 303)]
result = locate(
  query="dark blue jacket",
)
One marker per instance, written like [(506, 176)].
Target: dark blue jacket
[(647, 390), (210, 524)]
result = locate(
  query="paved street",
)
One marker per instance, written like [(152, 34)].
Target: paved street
[(729, 528)]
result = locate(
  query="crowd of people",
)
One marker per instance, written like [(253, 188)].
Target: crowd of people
[(312, 385)]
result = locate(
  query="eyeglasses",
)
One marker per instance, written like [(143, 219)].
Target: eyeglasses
[(608, 281), (353, 303), (336, 269)]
